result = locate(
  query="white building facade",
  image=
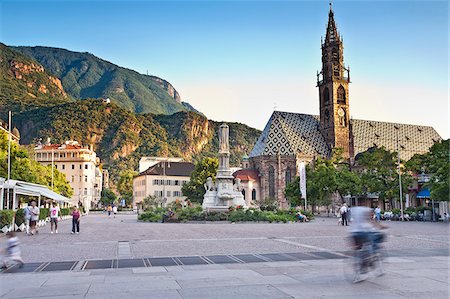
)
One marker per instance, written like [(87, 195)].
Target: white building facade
[(163, 180), (80, 166)]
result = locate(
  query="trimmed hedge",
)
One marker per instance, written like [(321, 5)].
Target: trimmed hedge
[(234, 215), (20, 217), (6, 217)]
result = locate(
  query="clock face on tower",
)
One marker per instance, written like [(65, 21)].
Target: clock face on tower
[(341, 112)]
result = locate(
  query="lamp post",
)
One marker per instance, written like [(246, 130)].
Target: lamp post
[(9, 155), (399, 174)]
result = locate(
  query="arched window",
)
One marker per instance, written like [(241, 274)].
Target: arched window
[(326, 96), (254, 194), (271, 182), (288, 177), (243, 192), (341, 95)]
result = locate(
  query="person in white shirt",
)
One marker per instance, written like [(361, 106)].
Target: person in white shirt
[(54, 214), (378, 213), (114, 210), (27, 217), (34, 212), (363, 229), (343, 212)]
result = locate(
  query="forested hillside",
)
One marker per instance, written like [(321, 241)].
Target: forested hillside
[(121, 137), (84, 75), (25, 84)]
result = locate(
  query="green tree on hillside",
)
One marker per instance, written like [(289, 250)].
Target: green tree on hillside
[(194, 189)]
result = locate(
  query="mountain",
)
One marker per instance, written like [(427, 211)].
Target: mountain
[(121, 137), (25, 84), (84, 75)]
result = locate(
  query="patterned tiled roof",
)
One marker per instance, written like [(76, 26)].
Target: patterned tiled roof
[(412, 139), (289, 133)]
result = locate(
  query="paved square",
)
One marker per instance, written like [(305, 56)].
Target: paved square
[(113, 258)]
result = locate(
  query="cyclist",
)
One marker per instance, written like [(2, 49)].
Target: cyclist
[(364, 230)]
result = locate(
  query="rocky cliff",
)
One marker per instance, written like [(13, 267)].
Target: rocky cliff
[(26, 84)]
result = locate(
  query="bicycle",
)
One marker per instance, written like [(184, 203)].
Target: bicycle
[(367, 257)]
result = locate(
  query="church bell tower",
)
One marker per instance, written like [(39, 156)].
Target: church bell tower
[(333, 81)]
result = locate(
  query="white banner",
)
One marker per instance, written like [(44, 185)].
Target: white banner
[(302, 174)]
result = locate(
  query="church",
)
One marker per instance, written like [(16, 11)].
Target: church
[(291, 138)]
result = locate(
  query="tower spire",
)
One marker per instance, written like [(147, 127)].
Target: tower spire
[(332, 35)]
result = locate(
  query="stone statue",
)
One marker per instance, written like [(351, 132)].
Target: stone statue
[(209, 185), (237, 185), (223, 138), (341, 114)]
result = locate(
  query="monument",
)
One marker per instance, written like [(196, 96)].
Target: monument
[(223, 193)]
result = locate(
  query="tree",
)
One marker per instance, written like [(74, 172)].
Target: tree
[(436, 164), (125, 185), (25, 169), (378, 170), (194, 189), (107, 197), (293, 193), (320, 182)]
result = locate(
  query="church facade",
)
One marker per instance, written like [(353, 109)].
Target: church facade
[(291, 138)]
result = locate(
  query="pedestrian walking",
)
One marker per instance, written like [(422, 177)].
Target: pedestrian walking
[(114, 209), (338, 215), (34, 217), (378, 213), (12, 250), (75, 220), (54, 214), (343, 211), (109, 210), (27, 217)]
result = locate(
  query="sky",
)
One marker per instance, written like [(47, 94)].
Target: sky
[(240, 60)]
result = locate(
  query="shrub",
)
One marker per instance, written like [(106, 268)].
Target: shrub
[(150, 217), (43, 213), (20, 217), (422, 208), (216, 216), (396, 211), (65, 211), (6, 217), (410, 210)]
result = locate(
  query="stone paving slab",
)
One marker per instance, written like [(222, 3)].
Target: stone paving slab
[(294, 279)]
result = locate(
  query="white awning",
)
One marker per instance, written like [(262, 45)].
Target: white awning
[(30, 189)]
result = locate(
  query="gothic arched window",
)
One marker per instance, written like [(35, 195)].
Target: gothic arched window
[(271, 182), (341, 95), (288, 177), (254, 194), (326, 96)]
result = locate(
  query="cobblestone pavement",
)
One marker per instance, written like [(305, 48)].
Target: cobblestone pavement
[(117, 257)]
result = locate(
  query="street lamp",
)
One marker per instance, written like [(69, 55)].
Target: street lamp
[(399, 174)]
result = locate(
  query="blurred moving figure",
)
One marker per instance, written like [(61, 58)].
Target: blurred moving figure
[(366, 239), (12, 250)]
